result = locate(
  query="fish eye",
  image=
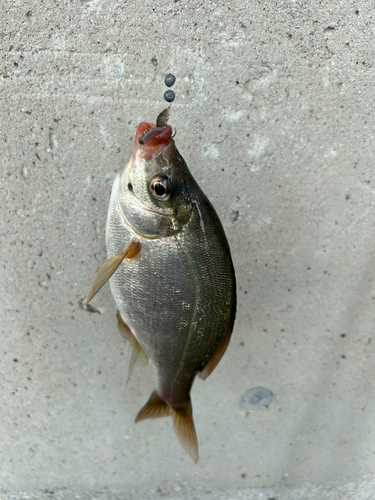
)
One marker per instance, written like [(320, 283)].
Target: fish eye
[(161, 189)]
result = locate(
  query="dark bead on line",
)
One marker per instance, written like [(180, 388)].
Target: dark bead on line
[(169, 95), (169, 80)]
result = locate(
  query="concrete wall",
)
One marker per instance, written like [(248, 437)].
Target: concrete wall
[(275, 117)]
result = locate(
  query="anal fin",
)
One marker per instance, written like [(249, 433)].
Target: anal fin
[(155, 407), (217, 355), (139, 356), (110, 266)]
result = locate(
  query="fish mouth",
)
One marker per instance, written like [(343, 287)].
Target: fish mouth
[(151, 139)]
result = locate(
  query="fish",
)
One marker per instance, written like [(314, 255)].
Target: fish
[(171, 275)]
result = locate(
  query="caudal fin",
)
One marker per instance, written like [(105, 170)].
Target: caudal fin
[(184, 427), (182, 418), (155, 407)]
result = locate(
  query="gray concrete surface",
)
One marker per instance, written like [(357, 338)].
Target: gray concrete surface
[(275, 118)]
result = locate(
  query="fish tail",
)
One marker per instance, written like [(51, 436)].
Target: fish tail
[(182, 417), (183, 424), (155, 407)]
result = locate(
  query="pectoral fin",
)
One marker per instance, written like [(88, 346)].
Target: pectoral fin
[(217, 355), (139, 356), (109, 267)]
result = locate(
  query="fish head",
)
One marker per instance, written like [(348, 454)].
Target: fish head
[(155, 187)]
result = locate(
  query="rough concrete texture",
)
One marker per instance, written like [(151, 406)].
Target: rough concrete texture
[(275, 117)]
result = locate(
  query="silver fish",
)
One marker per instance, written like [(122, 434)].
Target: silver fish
[(171, 274)]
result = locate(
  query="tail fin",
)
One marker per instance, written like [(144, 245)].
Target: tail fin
[(184, 427), (155, 407), (182, 418)]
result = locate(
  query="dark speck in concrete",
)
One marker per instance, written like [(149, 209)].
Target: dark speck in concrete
[(256, 398), (234, 216)]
